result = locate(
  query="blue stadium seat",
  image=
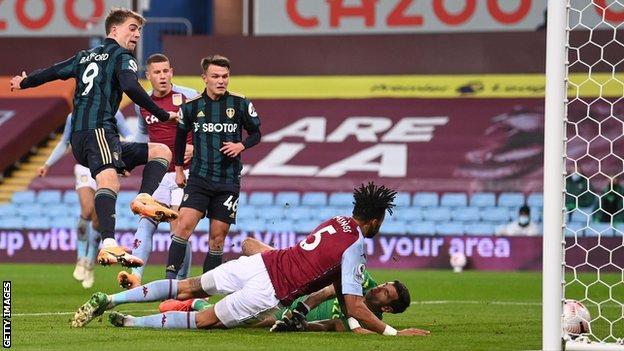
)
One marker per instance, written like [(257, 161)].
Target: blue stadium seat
[(398, 227), (270, 213), (466, 214), (421, 228), (314, 198), (479, 228), (261, 198), (49, 197), (454, 199), (299, 213), (599, 228), (126, 223), (125, 197), (304, 226), (325, 213), (37, 223), (425, 199), (495, 214), (11, 223), (23, 197), (437, 214), (288, 198), (403, 199), (574, 229), (536, 214), (8, 210), (204, 225), (406, 214), (483, 199), (70, 197), (244, 212), (449, 228), (257, 225), (535, 200), (580, 216), (64, 222), (58, 210), (29, 210), (283, 225), (341, 199), (243, 199), (511, 199), (619, 229)]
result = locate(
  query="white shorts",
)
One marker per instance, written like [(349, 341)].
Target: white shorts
[(168, 192), (250, 293), (83, 177)]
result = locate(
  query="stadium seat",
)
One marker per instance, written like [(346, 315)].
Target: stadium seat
[(449, 228), (479, 228), (242, 199), (64, 222), (288, 198), (599, 228), (314, 198), (12, 223), (466, 214), (341, 199), (70, 197), (29, 210), (398, 227), (535, 200), (421, 228), (125, 197), (425, 199), (282, 225), (304, 226), (406, 214), (56, 210), (23, 197), (261, 198), (511, 199), (37, 223), (483, 200), (574, 229), (437, 214), (49, 197), (580, 216), (403, 199), (536, 214), (495, 214), (246, 212), (270, 213), (8, 210), (300, 213), (204, 225), (256, 225), (454, 199), (126, 223), (325, 213)]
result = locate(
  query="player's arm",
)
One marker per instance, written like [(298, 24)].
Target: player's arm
[(327, 325), (61, 70), (59, 149), (251, 123), (318, 297), (125, 69)]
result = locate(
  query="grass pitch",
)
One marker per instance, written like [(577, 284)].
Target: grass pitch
[(467, 311)]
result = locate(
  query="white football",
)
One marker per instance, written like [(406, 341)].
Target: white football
[(576, 318)]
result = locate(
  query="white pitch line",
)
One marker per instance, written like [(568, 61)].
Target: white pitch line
[(65, 313), (474, 302)]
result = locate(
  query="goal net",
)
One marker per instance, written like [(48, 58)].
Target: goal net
[(584, 174)]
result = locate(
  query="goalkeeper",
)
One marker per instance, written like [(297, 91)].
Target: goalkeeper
[(319, 311)]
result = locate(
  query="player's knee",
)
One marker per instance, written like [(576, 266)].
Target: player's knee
[(160, 150)]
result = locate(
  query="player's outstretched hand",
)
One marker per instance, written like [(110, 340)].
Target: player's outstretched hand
[(42, 171), (180, 177), (173, 116), (413, 332), (15, 81)]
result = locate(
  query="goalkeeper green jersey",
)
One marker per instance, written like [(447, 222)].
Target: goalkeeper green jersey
[(330, 309)]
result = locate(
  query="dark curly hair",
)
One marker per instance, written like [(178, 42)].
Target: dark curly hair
[(372, 201)]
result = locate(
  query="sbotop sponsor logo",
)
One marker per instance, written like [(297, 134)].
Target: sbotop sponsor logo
[(6, 314)]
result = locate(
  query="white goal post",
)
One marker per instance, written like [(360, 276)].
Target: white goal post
[(582, 252)]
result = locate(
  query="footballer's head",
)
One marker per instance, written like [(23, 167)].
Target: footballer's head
[(159, 72), (390, 297), (216, 75), (124, 26), (370, 206)]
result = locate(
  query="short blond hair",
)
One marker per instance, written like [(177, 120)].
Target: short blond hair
[(119, 15)]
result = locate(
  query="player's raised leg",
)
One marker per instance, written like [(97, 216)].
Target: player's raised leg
[(159, 157)]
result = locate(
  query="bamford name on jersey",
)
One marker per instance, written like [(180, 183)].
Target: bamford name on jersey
[(215, 127), (94, 57)]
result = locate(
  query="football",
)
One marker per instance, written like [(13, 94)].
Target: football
[(576, 318)]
